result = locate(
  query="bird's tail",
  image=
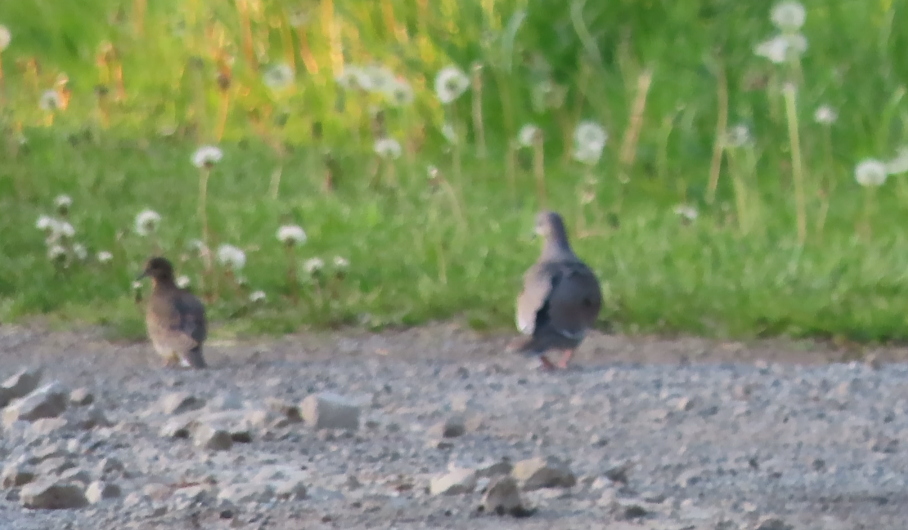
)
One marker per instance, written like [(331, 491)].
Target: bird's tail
[(527, 345), (194, 358)]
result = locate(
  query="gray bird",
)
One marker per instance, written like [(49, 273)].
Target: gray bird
[(175, 318), (560, 300)]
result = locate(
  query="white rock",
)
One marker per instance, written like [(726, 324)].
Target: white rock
[(548, 472), (81, 397), (49, 494), (49, 401), (19, 385), (330, 411), (98, 491), (455, 482), (212, 438), (246, 492), (180, 402)]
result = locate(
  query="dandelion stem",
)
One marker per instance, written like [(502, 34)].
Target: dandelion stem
[(721, 124), (203, 214), (292, 280), (275, 186), (869, 206), (478, 126), (2, 85), (632, 134), (306, 52), (223, 113), (138, 16), (539, 168), (511, 168), (796, 166), (248, 50)]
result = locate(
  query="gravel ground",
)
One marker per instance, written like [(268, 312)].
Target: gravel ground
[(640, 433)]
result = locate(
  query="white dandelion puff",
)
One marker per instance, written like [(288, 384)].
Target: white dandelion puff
[(450, 84), (788, 15), (685, 211), (47, 224), (147, 222), (80, 252), (782, 48), (207, 156), (65, 229), (56, 252), (387, 148), (232, 257), (313, 266), (183, 282), (351, 78), (291, 235), (378, 78), (136, 286), (5, 37), (870, 173), (447, 130), (341, 263), (399, 93), (63, 203), (257, 296), (104, 257), (899, 164), (50, 101), (737, 136), (527, 135), (589, 141), (797, 44), (278, 77), (825, 115)]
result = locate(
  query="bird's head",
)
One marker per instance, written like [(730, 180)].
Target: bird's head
[(158, 269)]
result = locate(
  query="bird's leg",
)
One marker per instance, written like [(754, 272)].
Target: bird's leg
[(546, 363), (565, 358)]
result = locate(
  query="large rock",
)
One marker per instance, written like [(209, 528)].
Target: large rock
[(330, 411), (99, 491), (543, 472), (180, 402), (212, 438), (19, 385), (49, 401), (16, 475), (48, 494), (54, 466), (456, 482), (503, 498), (81, 397)]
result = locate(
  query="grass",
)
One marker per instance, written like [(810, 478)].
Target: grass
[(758, 260)]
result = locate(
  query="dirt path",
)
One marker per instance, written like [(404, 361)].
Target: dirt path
[(714, 433)]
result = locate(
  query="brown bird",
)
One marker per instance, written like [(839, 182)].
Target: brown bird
[(561, 297), (175, 318)]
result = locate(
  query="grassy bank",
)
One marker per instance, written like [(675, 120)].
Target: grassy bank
[(725, 201)]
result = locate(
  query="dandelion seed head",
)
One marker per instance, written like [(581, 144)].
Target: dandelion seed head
[(527, 135), (47, 224), (56, 252), (825, 115), (378, 78), (686, 211), (80, 252), (65, 229), (788, 15), (737, 136), (50, 101), (399, 93), (5, 37), (147, 222), (183, 282), (899, 164), (257, 296), (63, 202), (104, 256), (782, 48), (136, 286), (450, 84), (207, 156), (589, 141), (351, 78), (313, 265), (447, 130), (291, 235), (232, 257), (387, 148), (278, 76), (341, 263), (870, 172)]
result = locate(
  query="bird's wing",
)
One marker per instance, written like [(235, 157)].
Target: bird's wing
[(177, 322), (574, 301), (538, 283)]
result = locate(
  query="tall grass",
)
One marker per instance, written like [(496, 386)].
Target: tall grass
[(147, 83)]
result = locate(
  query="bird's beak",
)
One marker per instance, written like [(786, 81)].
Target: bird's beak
[(141, 276)]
